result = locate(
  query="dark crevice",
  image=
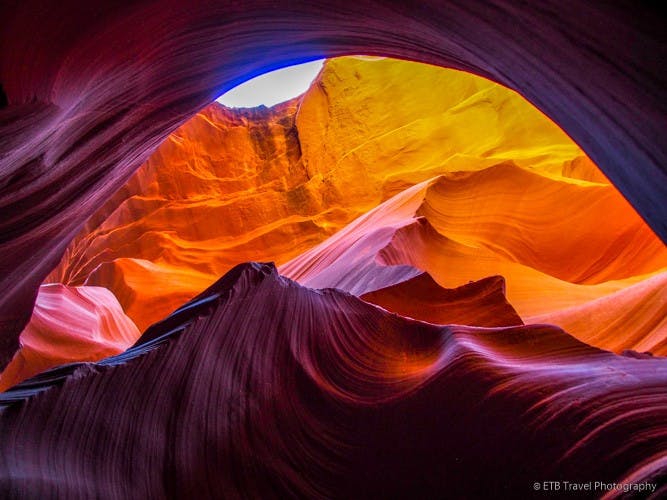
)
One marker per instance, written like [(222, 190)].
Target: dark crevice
[(3, 98)]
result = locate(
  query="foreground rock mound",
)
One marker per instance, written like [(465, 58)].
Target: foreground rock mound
[(319, 394)]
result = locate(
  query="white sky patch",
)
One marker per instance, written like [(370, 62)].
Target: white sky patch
[(272, 88)]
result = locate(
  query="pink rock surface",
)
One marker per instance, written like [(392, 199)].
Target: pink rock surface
[(70, 324)]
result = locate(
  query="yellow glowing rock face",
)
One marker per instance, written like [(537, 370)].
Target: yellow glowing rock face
[(519, 198), (390, 124)]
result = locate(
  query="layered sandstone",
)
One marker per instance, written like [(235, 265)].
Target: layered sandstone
[(564, 256), (379, 404), (516, 198), (268, 184), (320, 394), (88, 91), (634, 317), (479, 303)]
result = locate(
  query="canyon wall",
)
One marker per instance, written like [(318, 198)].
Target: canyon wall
[(268, 184), (516, 197), (88, 92), (408, 343)]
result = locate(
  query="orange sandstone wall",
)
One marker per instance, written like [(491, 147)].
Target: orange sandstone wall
[(505, 192), (268, 184), (463, 227)]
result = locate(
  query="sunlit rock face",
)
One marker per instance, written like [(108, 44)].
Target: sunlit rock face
[(148, 291), (461, 227), (82, 108), (223, 189), (393, 123), (634, 317), (268, 184), (512, 196), (70, 324)]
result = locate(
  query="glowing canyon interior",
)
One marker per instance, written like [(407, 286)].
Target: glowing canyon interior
[(438, 272)]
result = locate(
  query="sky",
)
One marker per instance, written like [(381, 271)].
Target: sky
[(274, 87)]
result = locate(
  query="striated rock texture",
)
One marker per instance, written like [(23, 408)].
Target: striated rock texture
[(224, 185), (559, 243), (70, 324), (89, 91), (268, 184), (321, 395), (146, 291), (631, 318), (391, 124), (261, 387)]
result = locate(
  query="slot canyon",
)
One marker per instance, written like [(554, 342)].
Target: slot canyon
[(438, 272)]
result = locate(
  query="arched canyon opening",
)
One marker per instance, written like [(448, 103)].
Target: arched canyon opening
[(463, 303)]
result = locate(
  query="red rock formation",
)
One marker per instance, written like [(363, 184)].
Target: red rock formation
[(467, 226), (148, 292), (70, 324), (319, 394), (237, 185), (90, 90), (267, 184), (480, 303), (222, 189)]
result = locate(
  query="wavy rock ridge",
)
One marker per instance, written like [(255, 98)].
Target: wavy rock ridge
[(463, 227), (320, 393), (378, 404)]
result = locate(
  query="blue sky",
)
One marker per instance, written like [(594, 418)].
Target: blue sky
[(274, 87)]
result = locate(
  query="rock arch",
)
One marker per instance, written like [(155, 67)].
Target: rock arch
[(92, 89)]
